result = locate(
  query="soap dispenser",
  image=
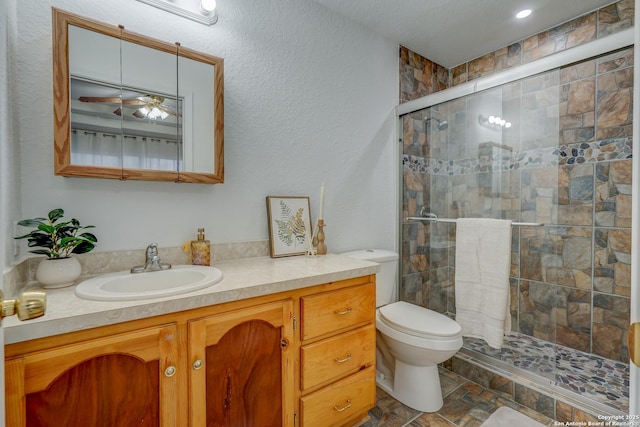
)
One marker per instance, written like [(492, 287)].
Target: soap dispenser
[(200, 250)]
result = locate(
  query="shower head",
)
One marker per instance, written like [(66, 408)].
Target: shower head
[(442, 124)]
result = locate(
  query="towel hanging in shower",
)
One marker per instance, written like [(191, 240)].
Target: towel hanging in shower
[(483, 261)]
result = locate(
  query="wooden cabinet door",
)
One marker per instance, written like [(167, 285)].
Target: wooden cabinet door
[(242, 367), (120, 380)]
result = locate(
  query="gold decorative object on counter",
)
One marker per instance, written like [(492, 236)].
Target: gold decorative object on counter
[(201, 250), (28, 305)]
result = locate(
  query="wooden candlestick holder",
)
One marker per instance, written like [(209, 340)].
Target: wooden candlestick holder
[(320, 245)]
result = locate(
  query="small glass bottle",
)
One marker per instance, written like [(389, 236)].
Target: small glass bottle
[(200, 250)]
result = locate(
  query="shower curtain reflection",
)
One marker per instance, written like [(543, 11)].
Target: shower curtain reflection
[(95, 148)]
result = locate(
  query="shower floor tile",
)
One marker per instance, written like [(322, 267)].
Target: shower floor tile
[(602, 380)]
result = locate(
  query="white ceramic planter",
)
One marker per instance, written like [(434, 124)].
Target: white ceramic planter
[(58, 272)]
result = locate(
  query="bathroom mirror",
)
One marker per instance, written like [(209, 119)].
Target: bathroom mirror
[(128, 106)]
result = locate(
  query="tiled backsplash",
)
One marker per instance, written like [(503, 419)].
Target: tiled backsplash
[(108, 262)]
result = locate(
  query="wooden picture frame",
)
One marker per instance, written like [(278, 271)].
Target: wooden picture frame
[(290, 229)]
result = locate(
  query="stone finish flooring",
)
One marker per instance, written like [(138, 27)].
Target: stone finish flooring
[(465, 404)]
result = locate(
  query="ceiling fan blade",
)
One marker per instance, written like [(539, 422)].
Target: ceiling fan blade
[(133, 102), (169, 110), (138, 114), (112, 100)]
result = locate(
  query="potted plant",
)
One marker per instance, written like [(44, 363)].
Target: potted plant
[(58, 239)]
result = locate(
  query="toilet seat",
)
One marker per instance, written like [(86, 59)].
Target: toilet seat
[(418, 321)]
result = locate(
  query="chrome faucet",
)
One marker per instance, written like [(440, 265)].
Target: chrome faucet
[(152, 261)]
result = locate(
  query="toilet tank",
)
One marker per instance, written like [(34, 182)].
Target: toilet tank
[(387, 276)]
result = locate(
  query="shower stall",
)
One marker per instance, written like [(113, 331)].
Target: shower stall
[(548, 146)]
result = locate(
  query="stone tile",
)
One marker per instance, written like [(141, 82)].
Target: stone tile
[(449, 380), (582, 30), (458, 75), (485, 378), (535, 400), (390, 412), (564, 412), (612, 270), (419, 76), (615, 17), (455, 407), (537, 302), (613, 100), (575, 194), (613, 194), (538, 194), (611, 326), (431, 420), (482, 66), (557, 255)]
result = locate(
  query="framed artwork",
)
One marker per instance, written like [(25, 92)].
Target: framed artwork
[(289, 225)]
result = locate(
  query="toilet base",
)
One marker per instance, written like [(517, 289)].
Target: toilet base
[(418, 387)]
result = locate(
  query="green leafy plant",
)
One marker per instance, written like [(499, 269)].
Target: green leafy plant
[(58, 239)]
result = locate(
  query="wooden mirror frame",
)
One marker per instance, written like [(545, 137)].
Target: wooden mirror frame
[(62, 103)]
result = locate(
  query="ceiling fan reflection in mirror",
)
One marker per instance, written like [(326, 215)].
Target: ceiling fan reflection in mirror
[(151, 106)]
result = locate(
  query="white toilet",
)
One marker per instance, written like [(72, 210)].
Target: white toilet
[(411, 340)]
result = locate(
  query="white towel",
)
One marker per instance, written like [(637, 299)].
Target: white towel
[(483, 258)]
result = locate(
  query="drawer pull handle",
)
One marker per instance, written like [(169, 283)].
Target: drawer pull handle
[(347, 406), (342, 313), (343, 360), (197, 364)]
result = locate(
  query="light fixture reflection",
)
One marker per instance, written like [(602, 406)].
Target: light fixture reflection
[(153, 108), (208, 6), (523, 13), (493, 122)]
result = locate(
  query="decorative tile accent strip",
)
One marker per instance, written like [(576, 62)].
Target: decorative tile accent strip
[(568, 154)]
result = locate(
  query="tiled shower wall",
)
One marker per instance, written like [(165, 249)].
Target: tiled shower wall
[(568, 166)]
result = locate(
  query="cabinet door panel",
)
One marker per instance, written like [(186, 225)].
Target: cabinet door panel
[(244, 366), (247, 375), (111, 381), (106, 391)]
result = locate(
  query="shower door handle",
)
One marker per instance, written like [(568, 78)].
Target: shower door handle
[(634, 343)]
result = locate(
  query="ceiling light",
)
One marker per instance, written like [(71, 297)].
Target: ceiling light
[(523, 13), (208, 6)]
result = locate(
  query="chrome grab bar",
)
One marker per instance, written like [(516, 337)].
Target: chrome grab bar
[(433, 217)]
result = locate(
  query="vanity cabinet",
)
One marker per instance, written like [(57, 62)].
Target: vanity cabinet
[(304, 357)]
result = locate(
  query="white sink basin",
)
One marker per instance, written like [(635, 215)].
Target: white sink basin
[(125, 286)]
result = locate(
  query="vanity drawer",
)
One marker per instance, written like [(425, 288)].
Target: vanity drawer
[(341, 401), (331, 311), (335, 357)]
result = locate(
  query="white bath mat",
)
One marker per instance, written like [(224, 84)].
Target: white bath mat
[(507, 417)]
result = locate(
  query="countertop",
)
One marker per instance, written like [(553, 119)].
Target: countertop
[(242, 279)]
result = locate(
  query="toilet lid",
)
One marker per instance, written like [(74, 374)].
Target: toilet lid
[(418, 321)]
